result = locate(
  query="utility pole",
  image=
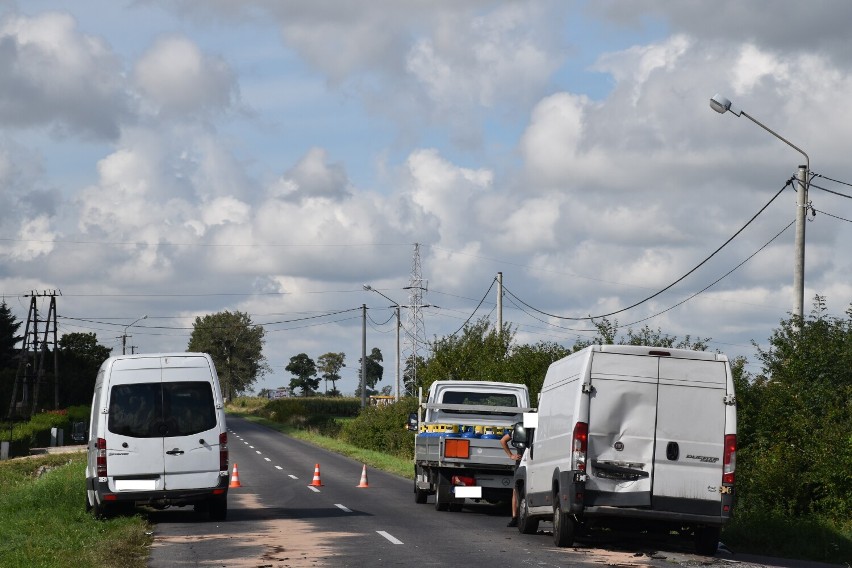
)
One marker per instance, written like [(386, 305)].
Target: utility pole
[(801, 218), (363, 356), (500, 304)]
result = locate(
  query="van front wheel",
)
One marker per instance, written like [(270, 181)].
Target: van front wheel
[(707, 540), (563, 526)]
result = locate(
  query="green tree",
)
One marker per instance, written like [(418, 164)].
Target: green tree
[(236, 346), (795, 447), (375, 371), (330, 364), (9, 326), (80, 357), (608, 330), (305, 371)]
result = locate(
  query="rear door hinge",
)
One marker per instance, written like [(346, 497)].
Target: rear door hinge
[(730, 399)]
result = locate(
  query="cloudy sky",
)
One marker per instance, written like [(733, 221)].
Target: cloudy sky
[(179, 158)]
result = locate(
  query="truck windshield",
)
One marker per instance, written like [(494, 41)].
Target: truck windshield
[(154, 410), (479, 399)]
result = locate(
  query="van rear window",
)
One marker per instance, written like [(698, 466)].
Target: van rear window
[(155, 410)]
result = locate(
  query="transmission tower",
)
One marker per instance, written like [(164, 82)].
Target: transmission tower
[(32, 361), (415, 336)]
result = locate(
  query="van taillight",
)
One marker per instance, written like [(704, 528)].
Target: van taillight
[(730, 459), (223, 452), (579, 445), (101, 464)]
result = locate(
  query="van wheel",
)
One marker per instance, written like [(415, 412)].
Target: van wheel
[(707, 540), (563, 526), (101, 510), (218, 508), (526, 525)]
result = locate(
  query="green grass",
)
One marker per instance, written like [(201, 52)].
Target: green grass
[(373, 459), (43, 520)]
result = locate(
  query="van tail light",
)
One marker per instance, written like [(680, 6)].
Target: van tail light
[(579, 446), (730, 459), (223, 452), (101, 455)]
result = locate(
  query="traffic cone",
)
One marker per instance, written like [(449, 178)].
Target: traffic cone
[(235, 478), (363, 478), (316, 481)]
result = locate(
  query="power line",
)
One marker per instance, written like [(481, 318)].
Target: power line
[(699, 265), (475, 309), (830, 215)]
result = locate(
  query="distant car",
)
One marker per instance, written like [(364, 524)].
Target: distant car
[(79, 432)]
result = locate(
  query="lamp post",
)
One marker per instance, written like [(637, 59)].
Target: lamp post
[(124, 335), (398, 326), (721, 105)]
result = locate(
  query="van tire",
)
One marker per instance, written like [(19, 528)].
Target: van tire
[(526, 525), (563, 526), (707, 540), (102, 511), (217, 509)]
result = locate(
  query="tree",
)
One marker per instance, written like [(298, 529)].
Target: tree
[(305, 370), (375, 370), (795, 449), (329, 364), (8, 337), (607, 331), (236, 347), (80, 357)]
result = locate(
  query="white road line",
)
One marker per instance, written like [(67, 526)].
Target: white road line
[(257, 451), (267, 459), (389, 537), (342, 508), (291, 476), (314, 489), (278, 467)]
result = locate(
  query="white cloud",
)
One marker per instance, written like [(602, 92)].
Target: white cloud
[(56, 76), (177, 77)]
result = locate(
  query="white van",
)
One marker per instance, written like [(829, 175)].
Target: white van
[(157, 435), (629, 437)]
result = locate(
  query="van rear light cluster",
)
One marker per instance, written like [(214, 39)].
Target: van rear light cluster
[(730, 459), (223, 452), (579, 446), (101, 455)]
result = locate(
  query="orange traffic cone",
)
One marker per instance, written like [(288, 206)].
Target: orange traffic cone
[(363, 478), (316, 481), (235, 478)]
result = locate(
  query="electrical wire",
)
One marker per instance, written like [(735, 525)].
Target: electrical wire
[(830, 215), (477, 308), (699, 265), (830, 191), (834, 180)]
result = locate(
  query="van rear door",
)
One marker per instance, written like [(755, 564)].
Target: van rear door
[(622, 419), (191, 443), (134, 447), (690, 436)]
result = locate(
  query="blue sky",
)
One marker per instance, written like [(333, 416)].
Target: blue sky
[(175, 159)]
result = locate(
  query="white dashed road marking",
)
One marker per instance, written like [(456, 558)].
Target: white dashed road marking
[(389, 537), (342, 508)]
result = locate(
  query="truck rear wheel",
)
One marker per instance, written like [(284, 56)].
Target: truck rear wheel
[(442, 497), (420, 495), (563, 526)]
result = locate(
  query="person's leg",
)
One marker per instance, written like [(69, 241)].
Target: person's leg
[(514, 521)]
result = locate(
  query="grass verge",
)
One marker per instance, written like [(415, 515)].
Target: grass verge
[(373, 459), (44, 523)]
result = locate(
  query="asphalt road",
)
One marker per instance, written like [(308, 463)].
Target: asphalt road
[(277, 519)]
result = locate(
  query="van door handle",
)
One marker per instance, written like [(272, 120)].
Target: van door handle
[(672, 451), (175, 452)]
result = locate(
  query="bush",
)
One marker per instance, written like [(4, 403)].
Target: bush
[(317, 414), (383, 428)]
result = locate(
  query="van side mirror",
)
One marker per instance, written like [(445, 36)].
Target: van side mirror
[(520, 437), (412, 422)]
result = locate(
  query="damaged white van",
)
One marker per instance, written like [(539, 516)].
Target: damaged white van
[(157, 435), (635, 438)]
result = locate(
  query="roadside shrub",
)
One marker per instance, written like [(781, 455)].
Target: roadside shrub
[(383, 428)]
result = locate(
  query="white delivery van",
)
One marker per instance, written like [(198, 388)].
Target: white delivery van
[(157, 435), (631, 437)]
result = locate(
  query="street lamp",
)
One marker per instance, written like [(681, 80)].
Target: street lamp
[(124, 335), (398, 326), (721, 105)]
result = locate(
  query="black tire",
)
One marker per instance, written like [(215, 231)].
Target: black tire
[(88, 505), (563, 526), (420, 495), (217, 508), (526, 525), (442, 497), (102, 511), (707, 540)]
